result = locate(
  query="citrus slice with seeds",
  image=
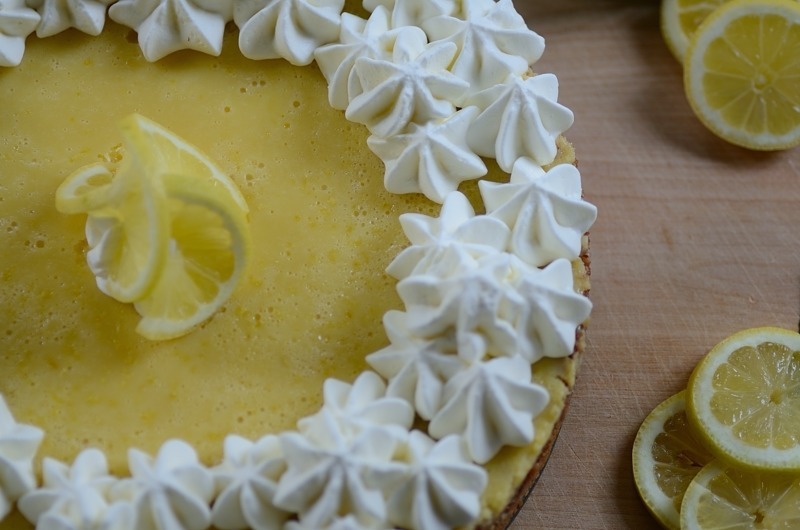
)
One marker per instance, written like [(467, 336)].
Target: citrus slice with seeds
[(723, 497), (208, 249), (161, 151), (681, 18), (743, 399), (742, 76), (666, 457)]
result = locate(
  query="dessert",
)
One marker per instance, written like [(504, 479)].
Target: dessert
[(321, 369)]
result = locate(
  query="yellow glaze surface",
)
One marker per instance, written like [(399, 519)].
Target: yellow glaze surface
[(309, 308)]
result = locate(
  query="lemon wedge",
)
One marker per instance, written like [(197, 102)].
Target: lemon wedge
[(743, 399), (742, 74), (666, 457), (208, 249), (167, 229), (723, 497), (680, 19)]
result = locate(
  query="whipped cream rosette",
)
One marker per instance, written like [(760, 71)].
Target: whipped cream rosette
[(18, 446), (439, 84), (88, 16), (369, 38), (412, 12), (291, 29), (17, 21), (166, 26), (76, 496), (246, 482)]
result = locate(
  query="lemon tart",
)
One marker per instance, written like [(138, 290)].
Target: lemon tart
[(365, 372)]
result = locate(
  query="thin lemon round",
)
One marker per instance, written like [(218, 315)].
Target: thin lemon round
[(724, 497), (742, 75), (743, 399), (681, 18), (84, 190), (666, 457), (209, 248), (160, 151)]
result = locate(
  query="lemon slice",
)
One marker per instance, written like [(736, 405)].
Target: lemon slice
[(208, 249), (742, 76), (160, 151), (666, 457), (743, 399), (84, 190), (722, 497), (167, 230), (681, 18), (126, 228)]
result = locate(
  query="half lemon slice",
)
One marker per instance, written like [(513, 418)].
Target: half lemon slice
[(742, 74)]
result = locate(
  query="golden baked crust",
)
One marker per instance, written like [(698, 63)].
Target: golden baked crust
[(515, 471)]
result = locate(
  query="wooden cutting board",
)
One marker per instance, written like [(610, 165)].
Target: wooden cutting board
[(695, 239)]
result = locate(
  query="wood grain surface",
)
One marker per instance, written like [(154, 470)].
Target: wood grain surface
[(695, 239)]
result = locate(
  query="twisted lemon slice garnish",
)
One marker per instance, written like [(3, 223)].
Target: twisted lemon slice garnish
[(167, 229)]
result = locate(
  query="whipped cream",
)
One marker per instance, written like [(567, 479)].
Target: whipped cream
[(88, 16), (169, 492), (519, 118), (416, 368), (291, 29), (412, 12), (359, 406), (76, 497), (357, 38), (18, 446), (432, 158), (246, 482), (491, 404), (347, 522), (166, 26), (554, 310), (479, 305), (544, 210), (443, 486), (414, 86), (493, 42), (438, 242), (337, 469), (17, 21)]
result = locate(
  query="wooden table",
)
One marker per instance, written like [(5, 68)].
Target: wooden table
[(695, 239)]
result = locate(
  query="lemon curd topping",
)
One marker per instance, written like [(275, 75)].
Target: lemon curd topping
[(309, 307)]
